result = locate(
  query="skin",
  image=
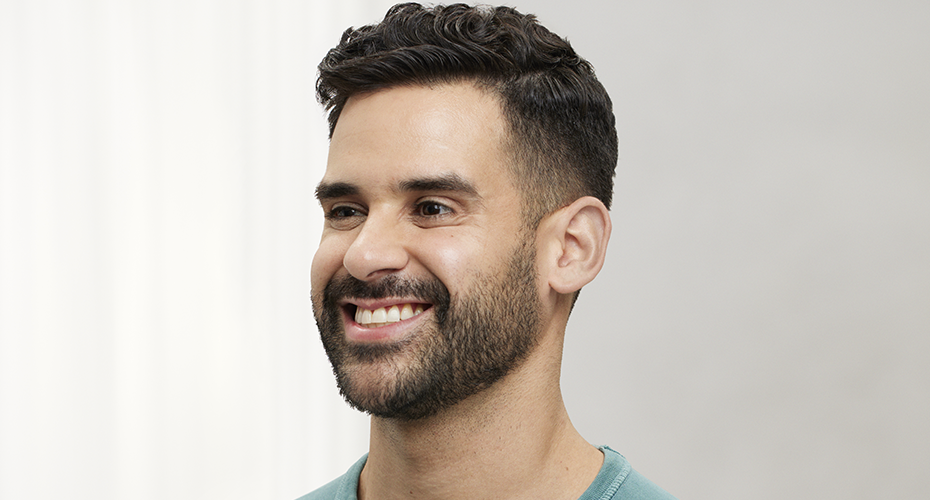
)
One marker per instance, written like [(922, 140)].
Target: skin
[(513, 439)]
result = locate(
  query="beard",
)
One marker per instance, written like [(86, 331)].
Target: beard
[(474, 340)]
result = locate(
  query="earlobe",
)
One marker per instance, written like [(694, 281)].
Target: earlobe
[(580, 234)]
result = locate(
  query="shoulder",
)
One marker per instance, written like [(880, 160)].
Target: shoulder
[(343, 487), (327, 492), (637, 487), (628, 484)]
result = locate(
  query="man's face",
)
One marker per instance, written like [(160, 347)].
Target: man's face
[(424, 286)]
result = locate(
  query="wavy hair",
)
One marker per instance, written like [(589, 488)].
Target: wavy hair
[(562, 129)]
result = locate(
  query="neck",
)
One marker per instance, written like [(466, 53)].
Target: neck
[(513, 440)]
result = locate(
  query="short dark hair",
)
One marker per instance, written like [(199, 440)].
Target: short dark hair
[(561, 126)]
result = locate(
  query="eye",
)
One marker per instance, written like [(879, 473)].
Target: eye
[(342, 211), (344, 217), (432, 209)]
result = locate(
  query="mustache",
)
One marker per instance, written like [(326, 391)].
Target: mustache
[(349, 287)]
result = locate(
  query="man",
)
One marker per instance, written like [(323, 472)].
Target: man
[(466, 193)]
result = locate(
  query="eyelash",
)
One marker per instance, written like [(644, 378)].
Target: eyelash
[(424, 203), (333, 213)]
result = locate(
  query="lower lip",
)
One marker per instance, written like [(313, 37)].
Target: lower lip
[(382, 334)]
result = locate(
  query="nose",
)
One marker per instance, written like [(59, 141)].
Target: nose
[(379, 248)]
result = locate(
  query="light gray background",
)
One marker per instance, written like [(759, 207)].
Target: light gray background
[(762, 326), (760, 329)]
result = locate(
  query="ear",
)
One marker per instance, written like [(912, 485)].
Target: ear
[(575, 244)]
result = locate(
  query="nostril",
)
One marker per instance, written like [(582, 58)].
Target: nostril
[(375, 252)]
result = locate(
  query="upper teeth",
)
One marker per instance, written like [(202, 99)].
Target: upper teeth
[(385, 315)]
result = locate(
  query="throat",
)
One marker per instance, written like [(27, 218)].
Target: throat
[(434, 461)]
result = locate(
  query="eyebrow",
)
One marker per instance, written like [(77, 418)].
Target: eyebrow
[(445, 182), (329, 190)]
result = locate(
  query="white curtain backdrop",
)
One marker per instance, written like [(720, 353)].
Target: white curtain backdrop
[(761, 328), (157, 161)]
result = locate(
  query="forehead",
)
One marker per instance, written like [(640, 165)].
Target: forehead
[(418, 131)]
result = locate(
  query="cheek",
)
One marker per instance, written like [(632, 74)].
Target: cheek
[(326, 262), (453, 260)]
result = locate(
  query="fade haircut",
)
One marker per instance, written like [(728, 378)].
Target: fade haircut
[(562, 132)]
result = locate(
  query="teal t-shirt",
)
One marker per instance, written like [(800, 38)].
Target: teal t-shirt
[(615, 481)]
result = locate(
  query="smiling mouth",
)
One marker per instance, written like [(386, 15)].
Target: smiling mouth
[(374, 318)]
